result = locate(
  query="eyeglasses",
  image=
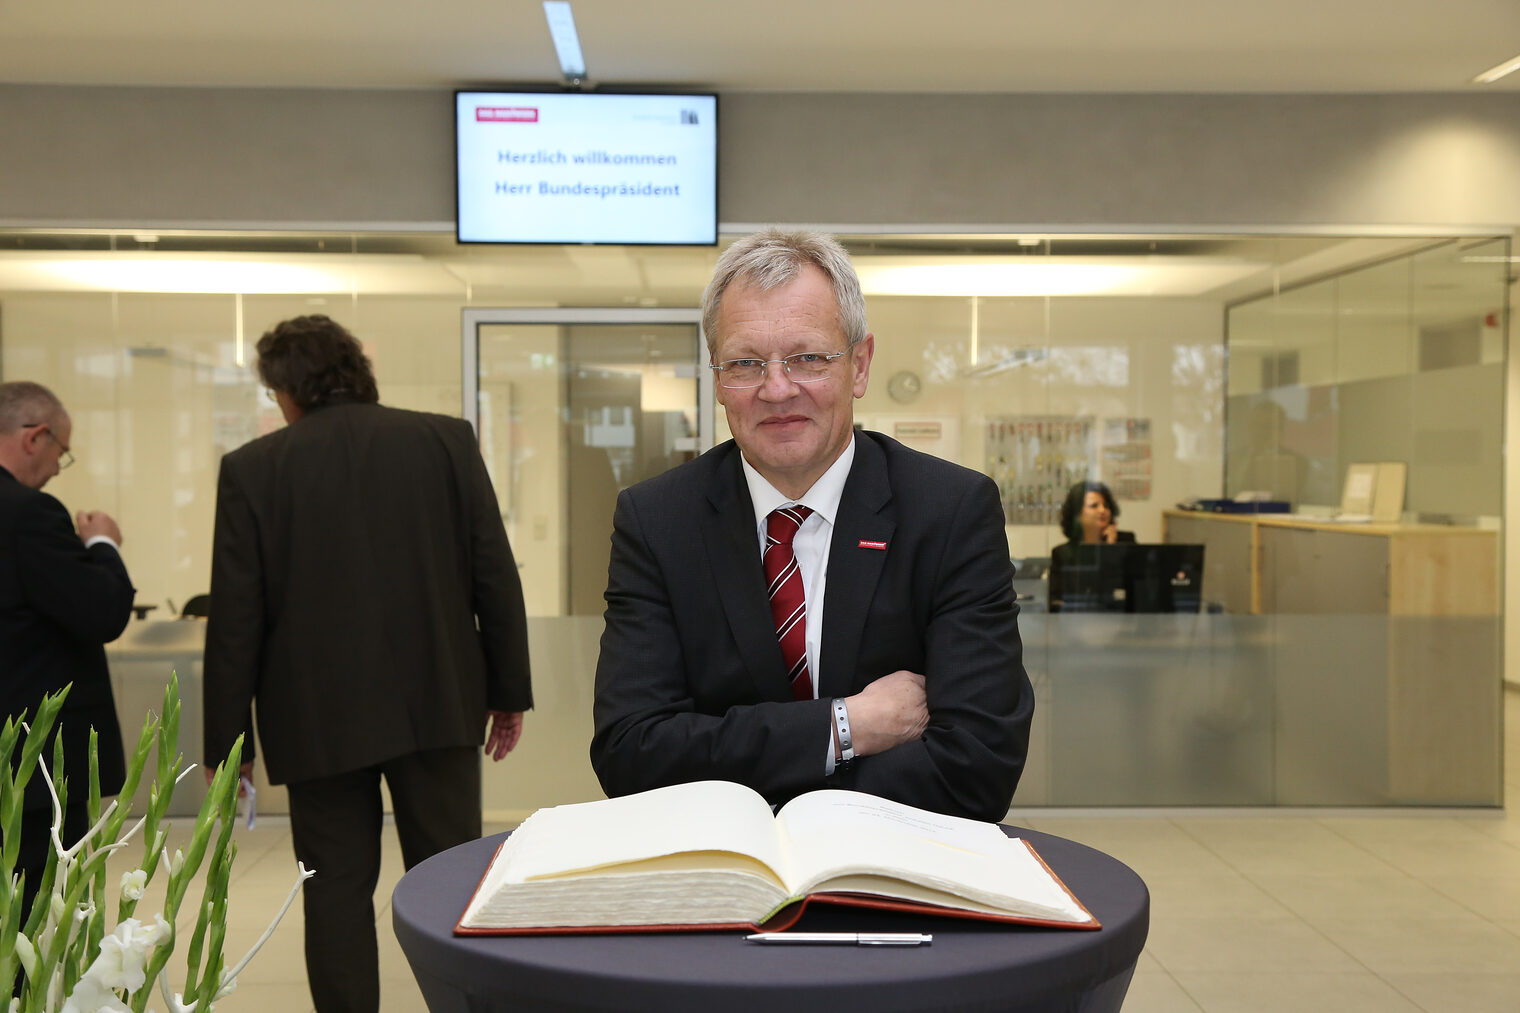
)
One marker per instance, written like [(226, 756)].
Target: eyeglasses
[(64, 457), (804, 367)]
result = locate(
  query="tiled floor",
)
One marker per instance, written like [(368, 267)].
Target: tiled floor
[(1251, 910)]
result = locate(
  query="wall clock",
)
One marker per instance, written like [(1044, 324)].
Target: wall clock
[(904, 386)]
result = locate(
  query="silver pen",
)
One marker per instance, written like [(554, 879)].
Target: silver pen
[(844, 938)]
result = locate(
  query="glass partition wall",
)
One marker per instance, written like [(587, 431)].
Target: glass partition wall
[(1373, 400), (1172, 368)]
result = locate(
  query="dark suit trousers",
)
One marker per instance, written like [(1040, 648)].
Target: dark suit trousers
[(335, 825)]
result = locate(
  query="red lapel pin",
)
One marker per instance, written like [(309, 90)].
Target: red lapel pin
[(872, 545)]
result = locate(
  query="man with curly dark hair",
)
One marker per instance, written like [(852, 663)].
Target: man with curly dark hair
[(365, 599)]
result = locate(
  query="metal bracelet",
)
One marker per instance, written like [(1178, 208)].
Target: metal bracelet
[(842, 727)]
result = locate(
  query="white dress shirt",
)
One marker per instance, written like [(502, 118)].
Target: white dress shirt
[(810, 546)]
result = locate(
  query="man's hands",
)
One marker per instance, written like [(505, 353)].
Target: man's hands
[(889, 712), (506, 729), (96, 522), (246, 770)]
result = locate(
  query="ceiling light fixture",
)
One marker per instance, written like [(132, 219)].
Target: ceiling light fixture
[(1493, 74), (304, 274), (1048, 276), (566, 43)]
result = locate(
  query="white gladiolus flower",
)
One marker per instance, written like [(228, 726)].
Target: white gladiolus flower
[(27, 954), (133, 883), (89, 996), (122, 963)]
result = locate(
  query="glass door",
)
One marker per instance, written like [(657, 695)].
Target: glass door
[(572, 406)]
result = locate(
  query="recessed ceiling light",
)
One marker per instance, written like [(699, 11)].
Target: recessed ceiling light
[(1493, 74)]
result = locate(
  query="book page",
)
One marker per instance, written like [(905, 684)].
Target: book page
[(843, 840), (854, 813), (701, 816)]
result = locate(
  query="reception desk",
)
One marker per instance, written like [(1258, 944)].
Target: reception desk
[(1276, 563), (141, 661)]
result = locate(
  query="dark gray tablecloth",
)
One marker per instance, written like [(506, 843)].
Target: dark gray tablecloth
[(970, 966)]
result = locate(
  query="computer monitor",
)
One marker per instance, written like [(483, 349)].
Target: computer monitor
[(1088, 578), (1163, 578), (1129, 577)]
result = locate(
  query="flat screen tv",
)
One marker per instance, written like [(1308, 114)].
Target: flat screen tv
[(586, 167)]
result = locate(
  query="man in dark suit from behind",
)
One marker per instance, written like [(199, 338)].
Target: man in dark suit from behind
[(64, 595), (809, 606), (365, 599)]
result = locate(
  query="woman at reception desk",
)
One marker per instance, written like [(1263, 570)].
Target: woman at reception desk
[(1089, 516)]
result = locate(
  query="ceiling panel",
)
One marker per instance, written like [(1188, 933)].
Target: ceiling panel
[(780, 45)]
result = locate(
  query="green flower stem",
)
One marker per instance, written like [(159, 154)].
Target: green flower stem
[(10, 920), (215, 803), (211, 982), (10, 802), (37, 733), (231, 978), (52, 965), (47, 951)]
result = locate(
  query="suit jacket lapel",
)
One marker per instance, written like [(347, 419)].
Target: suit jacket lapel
[(728, 528), (864, 516)]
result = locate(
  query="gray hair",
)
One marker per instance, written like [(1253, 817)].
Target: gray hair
[(23, 403), (773, 258)]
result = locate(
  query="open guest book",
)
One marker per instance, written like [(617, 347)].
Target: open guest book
[(710, 855)]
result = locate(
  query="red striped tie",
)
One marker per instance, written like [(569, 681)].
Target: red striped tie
[(788, 603)]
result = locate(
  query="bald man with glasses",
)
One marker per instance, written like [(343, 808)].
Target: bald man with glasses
[(64, 595)]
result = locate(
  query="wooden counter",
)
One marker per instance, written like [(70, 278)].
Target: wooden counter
[(1278, 563)]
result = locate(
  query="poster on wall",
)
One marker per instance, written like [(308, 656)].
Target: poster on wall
[(239, 411), (1034, 459), (1127, 457), (939, 435)]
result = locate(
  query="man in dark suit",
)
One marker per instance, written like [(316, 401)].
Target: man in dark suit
[(809, 606), (363, 594), (63, 596)]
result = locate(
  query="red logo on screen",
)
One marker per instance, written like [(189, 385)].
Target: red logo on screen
[(506, 114)]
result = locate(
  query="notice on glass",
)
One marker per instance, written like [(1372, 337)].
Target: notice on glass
[(586, 168), (1127, 457)]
